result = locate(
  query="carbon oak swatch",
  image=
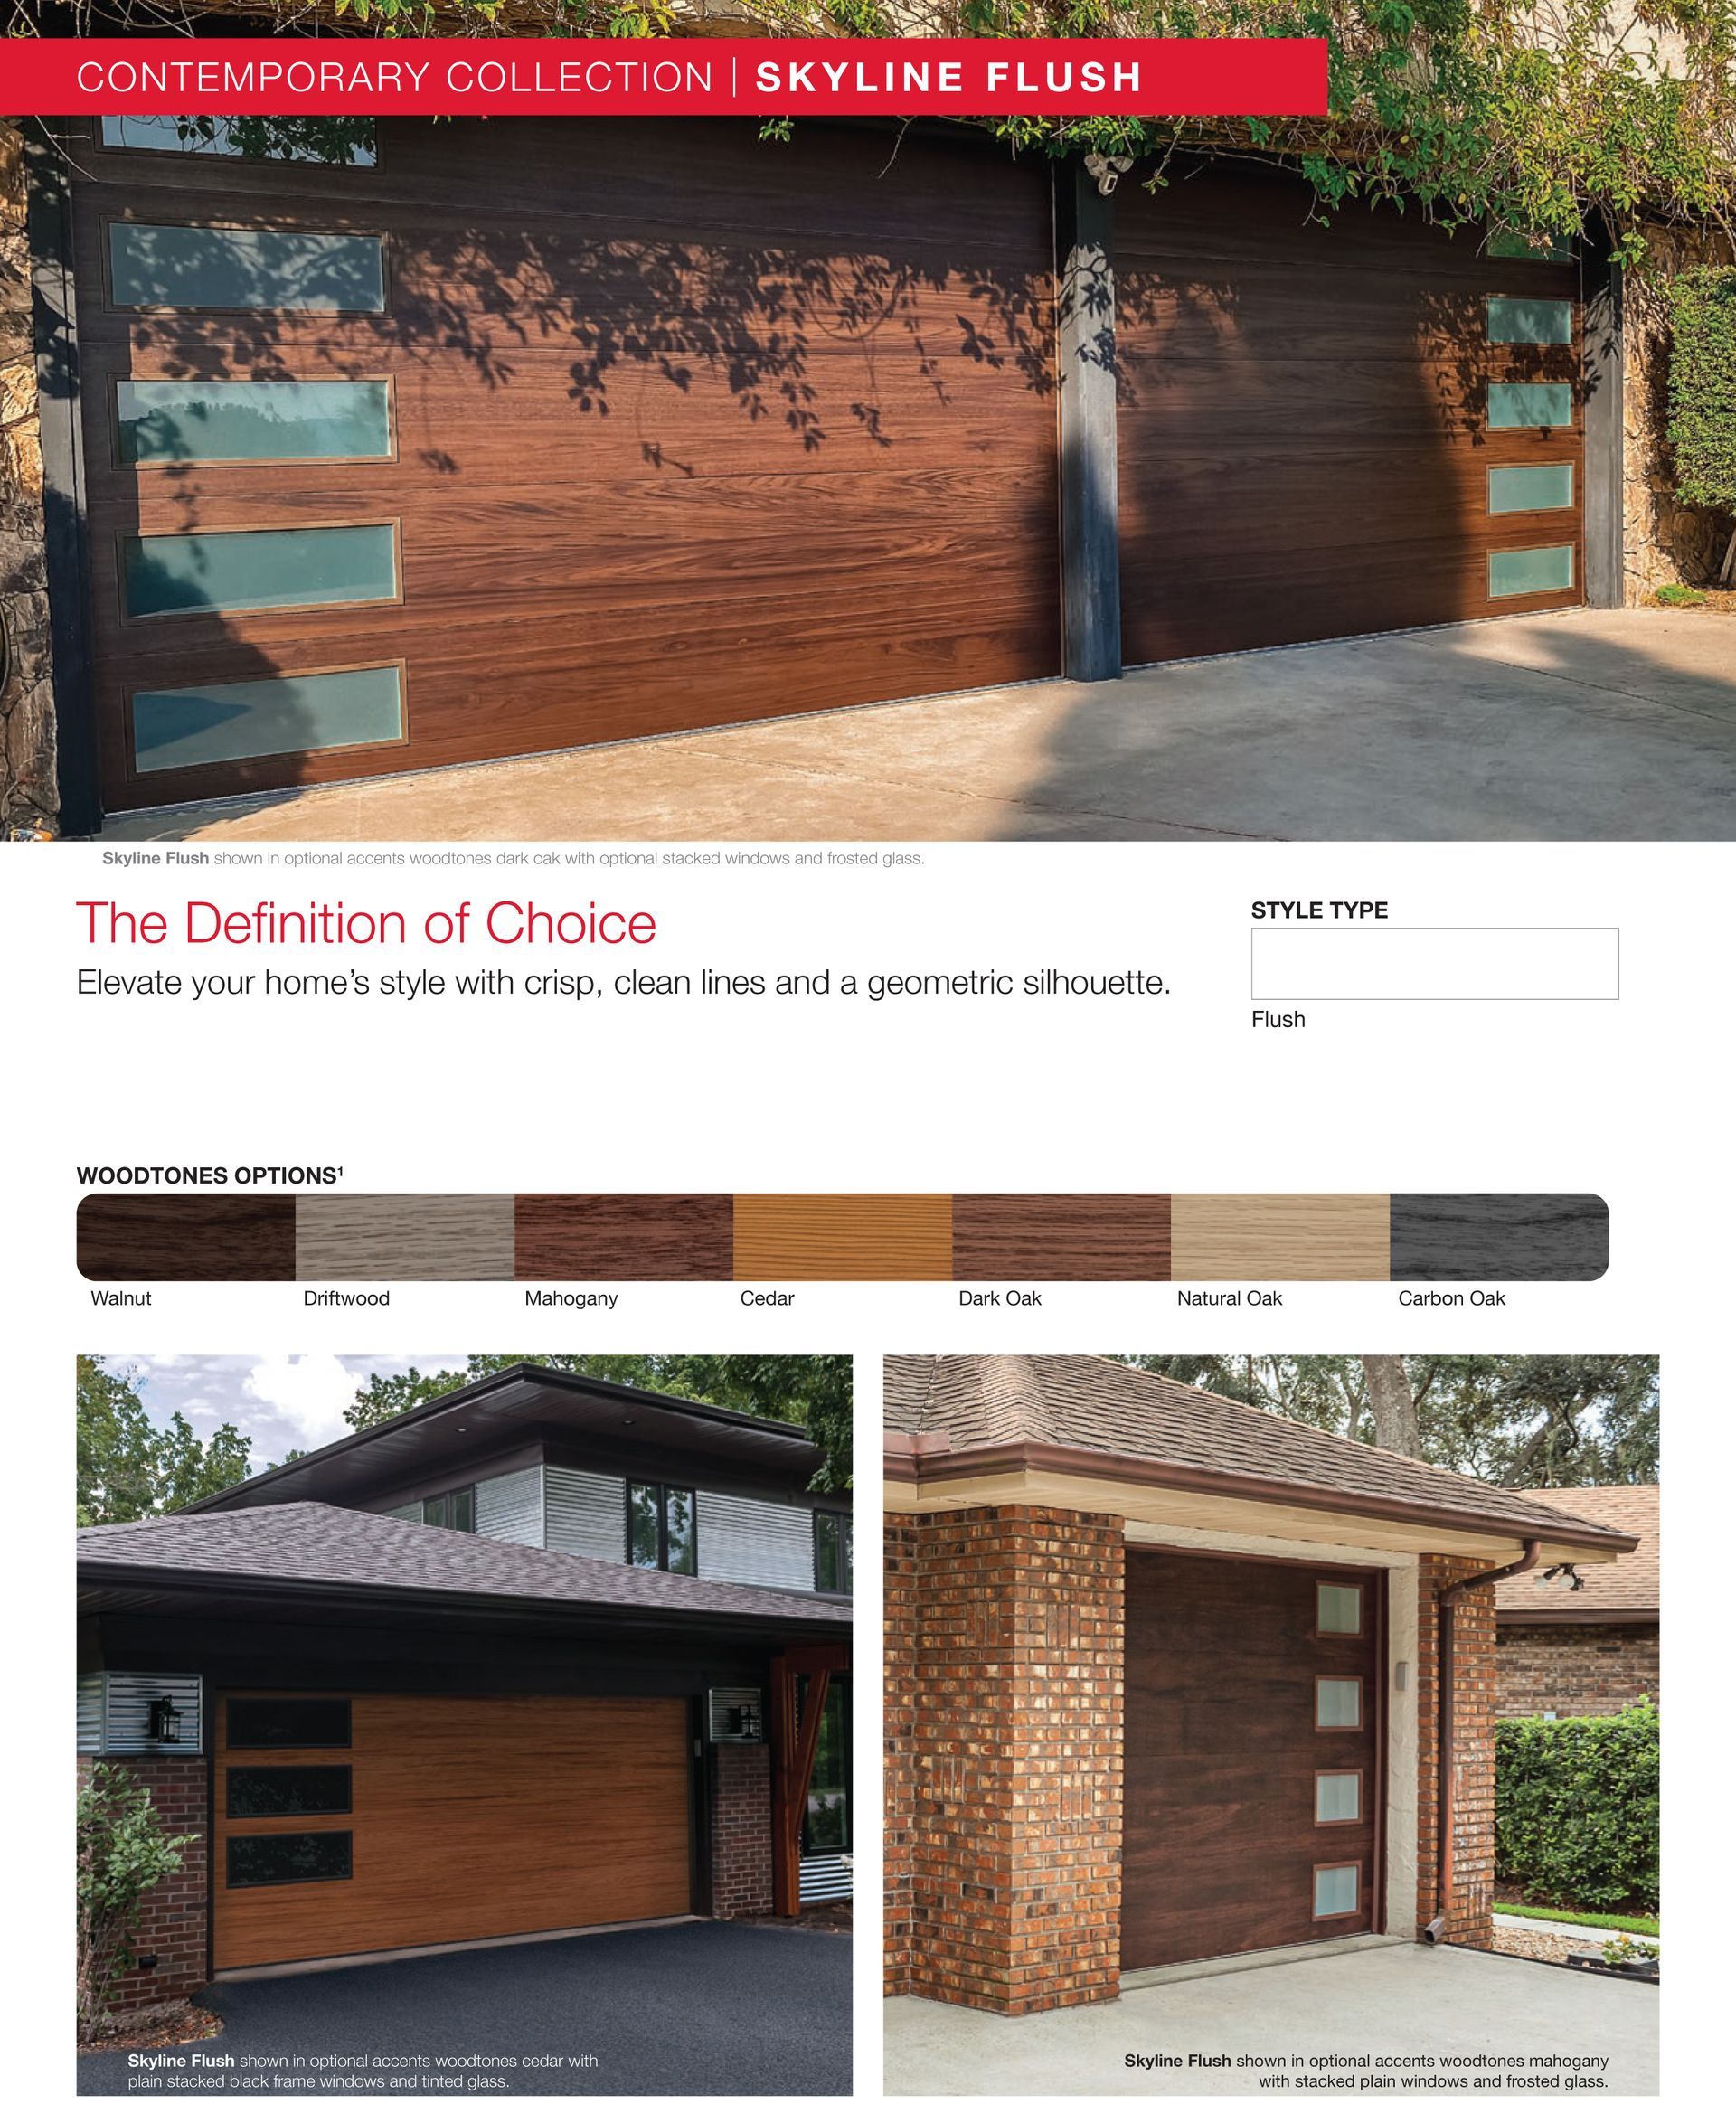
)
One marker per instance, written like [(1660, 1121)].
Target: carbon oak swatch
[(1121, 1236), (655, 1235), (1529, 1238)]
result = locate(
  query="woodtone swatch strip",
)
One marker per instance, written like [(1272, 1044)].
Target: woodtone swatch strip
[(345, 1235), (1284, 1235), (826, 1237), (1546, 1238), (655, 1236), (1114, 1237), (186, 1238)]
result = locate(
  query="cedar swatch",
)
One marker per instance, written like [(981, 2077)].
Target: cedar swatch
[(810, 1237)]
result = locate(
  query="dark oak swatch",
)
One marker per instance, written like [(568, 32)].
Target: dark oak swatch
[(188, 1238), (656, 1235), (1527, 1238), (1060, 1235)]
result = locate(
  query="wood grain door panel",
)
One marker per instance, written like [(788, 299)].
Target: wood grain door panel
[(472, 1816), (1220, 1844)]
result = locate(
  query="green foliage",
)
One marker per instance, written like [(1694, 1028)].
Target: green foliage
[(1533, 1420), (1625, 1924), (128, 1467), (122, 1852), (1679, 595), (1576, 1818), (813, 1390), (1702, 387)]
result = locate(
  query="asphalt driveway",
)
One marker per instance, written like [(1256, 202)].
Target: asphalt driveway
[(708, 2008), (1363, 2021), (1572, 726)]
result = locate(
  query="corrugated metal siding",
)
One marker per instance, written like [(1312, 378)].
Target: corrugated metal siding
[(114, 1712), (747, 1541), (587, 1513), (509, 1508), (825, 1877)]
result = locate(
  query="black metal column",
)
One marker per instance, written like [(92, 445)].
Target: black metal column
[(1091, 549)]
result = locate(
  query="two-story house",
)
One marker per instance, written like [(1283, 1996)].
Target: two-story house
[(543, 1653)]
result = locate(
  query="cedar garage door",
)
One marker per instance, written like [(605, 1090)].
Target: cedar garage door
[(358, 1823), (1330, 431), (540, 433), (1252, 1774)]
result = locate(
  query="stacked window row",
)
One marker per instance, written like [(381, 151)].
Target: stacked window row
[(1531, 405)]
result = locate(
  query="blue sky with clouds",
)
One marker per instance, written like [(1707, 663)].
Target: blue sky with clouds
[(280, 1401)]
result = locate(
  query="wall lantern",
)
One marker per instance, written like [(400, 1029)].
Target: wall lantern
[(166, 1723)]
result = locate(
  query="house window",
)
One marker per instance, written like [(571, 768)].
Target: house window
[(453, 1508), (1338, 1889), (272, 1722), (832, 1571), (1338, 1610), (662, 1529), (288, 1859), (826, 1817), (286, 1793), (1338, 1797), (1338, 1706)]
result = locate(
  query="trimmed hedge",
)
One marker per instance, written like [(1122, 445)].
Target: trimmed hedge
[(1576, 1808), (1703, 386)]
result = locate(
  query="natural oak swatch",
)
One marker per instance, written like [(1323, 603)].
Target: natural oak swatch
[(1282, 1236), (815, 1237)]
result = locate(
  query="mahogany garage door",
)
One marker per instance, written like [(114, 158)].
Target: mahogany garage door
[(1253, 1780), (529, 434), (1330, 431), (354, 1822)]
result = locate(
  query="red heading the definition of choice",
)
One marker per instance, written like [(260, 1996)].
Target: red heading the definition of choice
[(575, 77)]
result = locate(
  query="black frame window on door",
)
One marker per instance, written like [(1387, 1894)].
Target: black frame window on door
[(663, 1528)]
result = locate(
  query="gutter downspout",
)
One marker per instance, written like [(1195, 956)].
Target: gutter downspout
[(1436, 1932)]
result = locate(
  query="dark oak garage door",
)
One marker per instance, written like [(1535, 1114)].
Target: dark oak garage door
[(534, 434), (355, 1822), (1333, 430), (1252, 1773)]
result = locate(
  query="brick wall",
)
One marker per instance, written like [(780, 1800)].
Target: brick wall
[(1470, 1905), (1004, 1834), (173, 1916), (741, 1831), (1584, 1669)]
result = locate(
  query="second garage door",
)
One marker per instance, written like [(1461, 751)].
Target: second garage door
[(1252, 1776), (346, 1824)]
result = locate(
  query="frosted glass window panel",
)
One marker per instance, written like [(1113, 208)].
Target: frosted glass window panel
[(213, 134), (1337, 1890), (1339, 1799), (299, 566), (1531, 405), (252, 420), (282, 270), (1338, 1704), (1338, 1609), (1515, 571), (1530, 321), (1532, 489), (199, 726), (1516, 246)]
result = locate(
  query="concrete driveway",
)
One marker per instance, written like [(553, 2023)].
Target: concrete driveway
[(1575, 726), (1469, 2014), (709, 2009)]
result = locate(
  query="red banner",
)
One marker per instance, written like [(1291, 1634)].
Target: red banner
[(575, 77)]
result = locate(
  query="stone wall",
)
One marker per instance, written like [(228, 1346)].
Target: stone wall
[(1584, 1669), (1005, 1840), (1470, 1906), (28, 794), (1667, 542)]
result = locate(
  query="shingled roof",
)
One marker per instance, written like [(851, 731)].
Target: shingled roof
[(1626, 1592), (1056, 1404), (328, 1546)]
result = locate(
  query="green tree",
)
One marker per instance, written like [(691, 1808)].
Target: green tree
[(123, 1851), (129, 1468), (810, 1391)]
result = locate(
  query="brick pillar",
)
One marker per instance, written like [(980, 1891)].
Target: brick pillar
[(741, 1831), (1471, 1903), (1016, 1786), (899, 1704), (173, 1917)]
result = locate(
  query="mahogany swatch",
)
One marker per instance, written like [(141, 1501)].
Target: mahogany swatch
[(656, 1235)]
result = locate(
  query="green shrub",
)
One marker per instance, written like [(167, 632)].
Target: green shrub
[(1679, 595), (1703, 390), (122, 1852), (1576, 1808)]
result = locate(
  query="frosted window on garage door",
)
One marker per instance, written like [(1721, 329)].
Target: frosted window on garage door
[(200, 726), (297, 566), (252, 420), (1532, 489), (1337, 1890), (1339, 1799), (1530, 321), (1531, 405), (1338, 1704), (1513, 571), (281, 270)]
